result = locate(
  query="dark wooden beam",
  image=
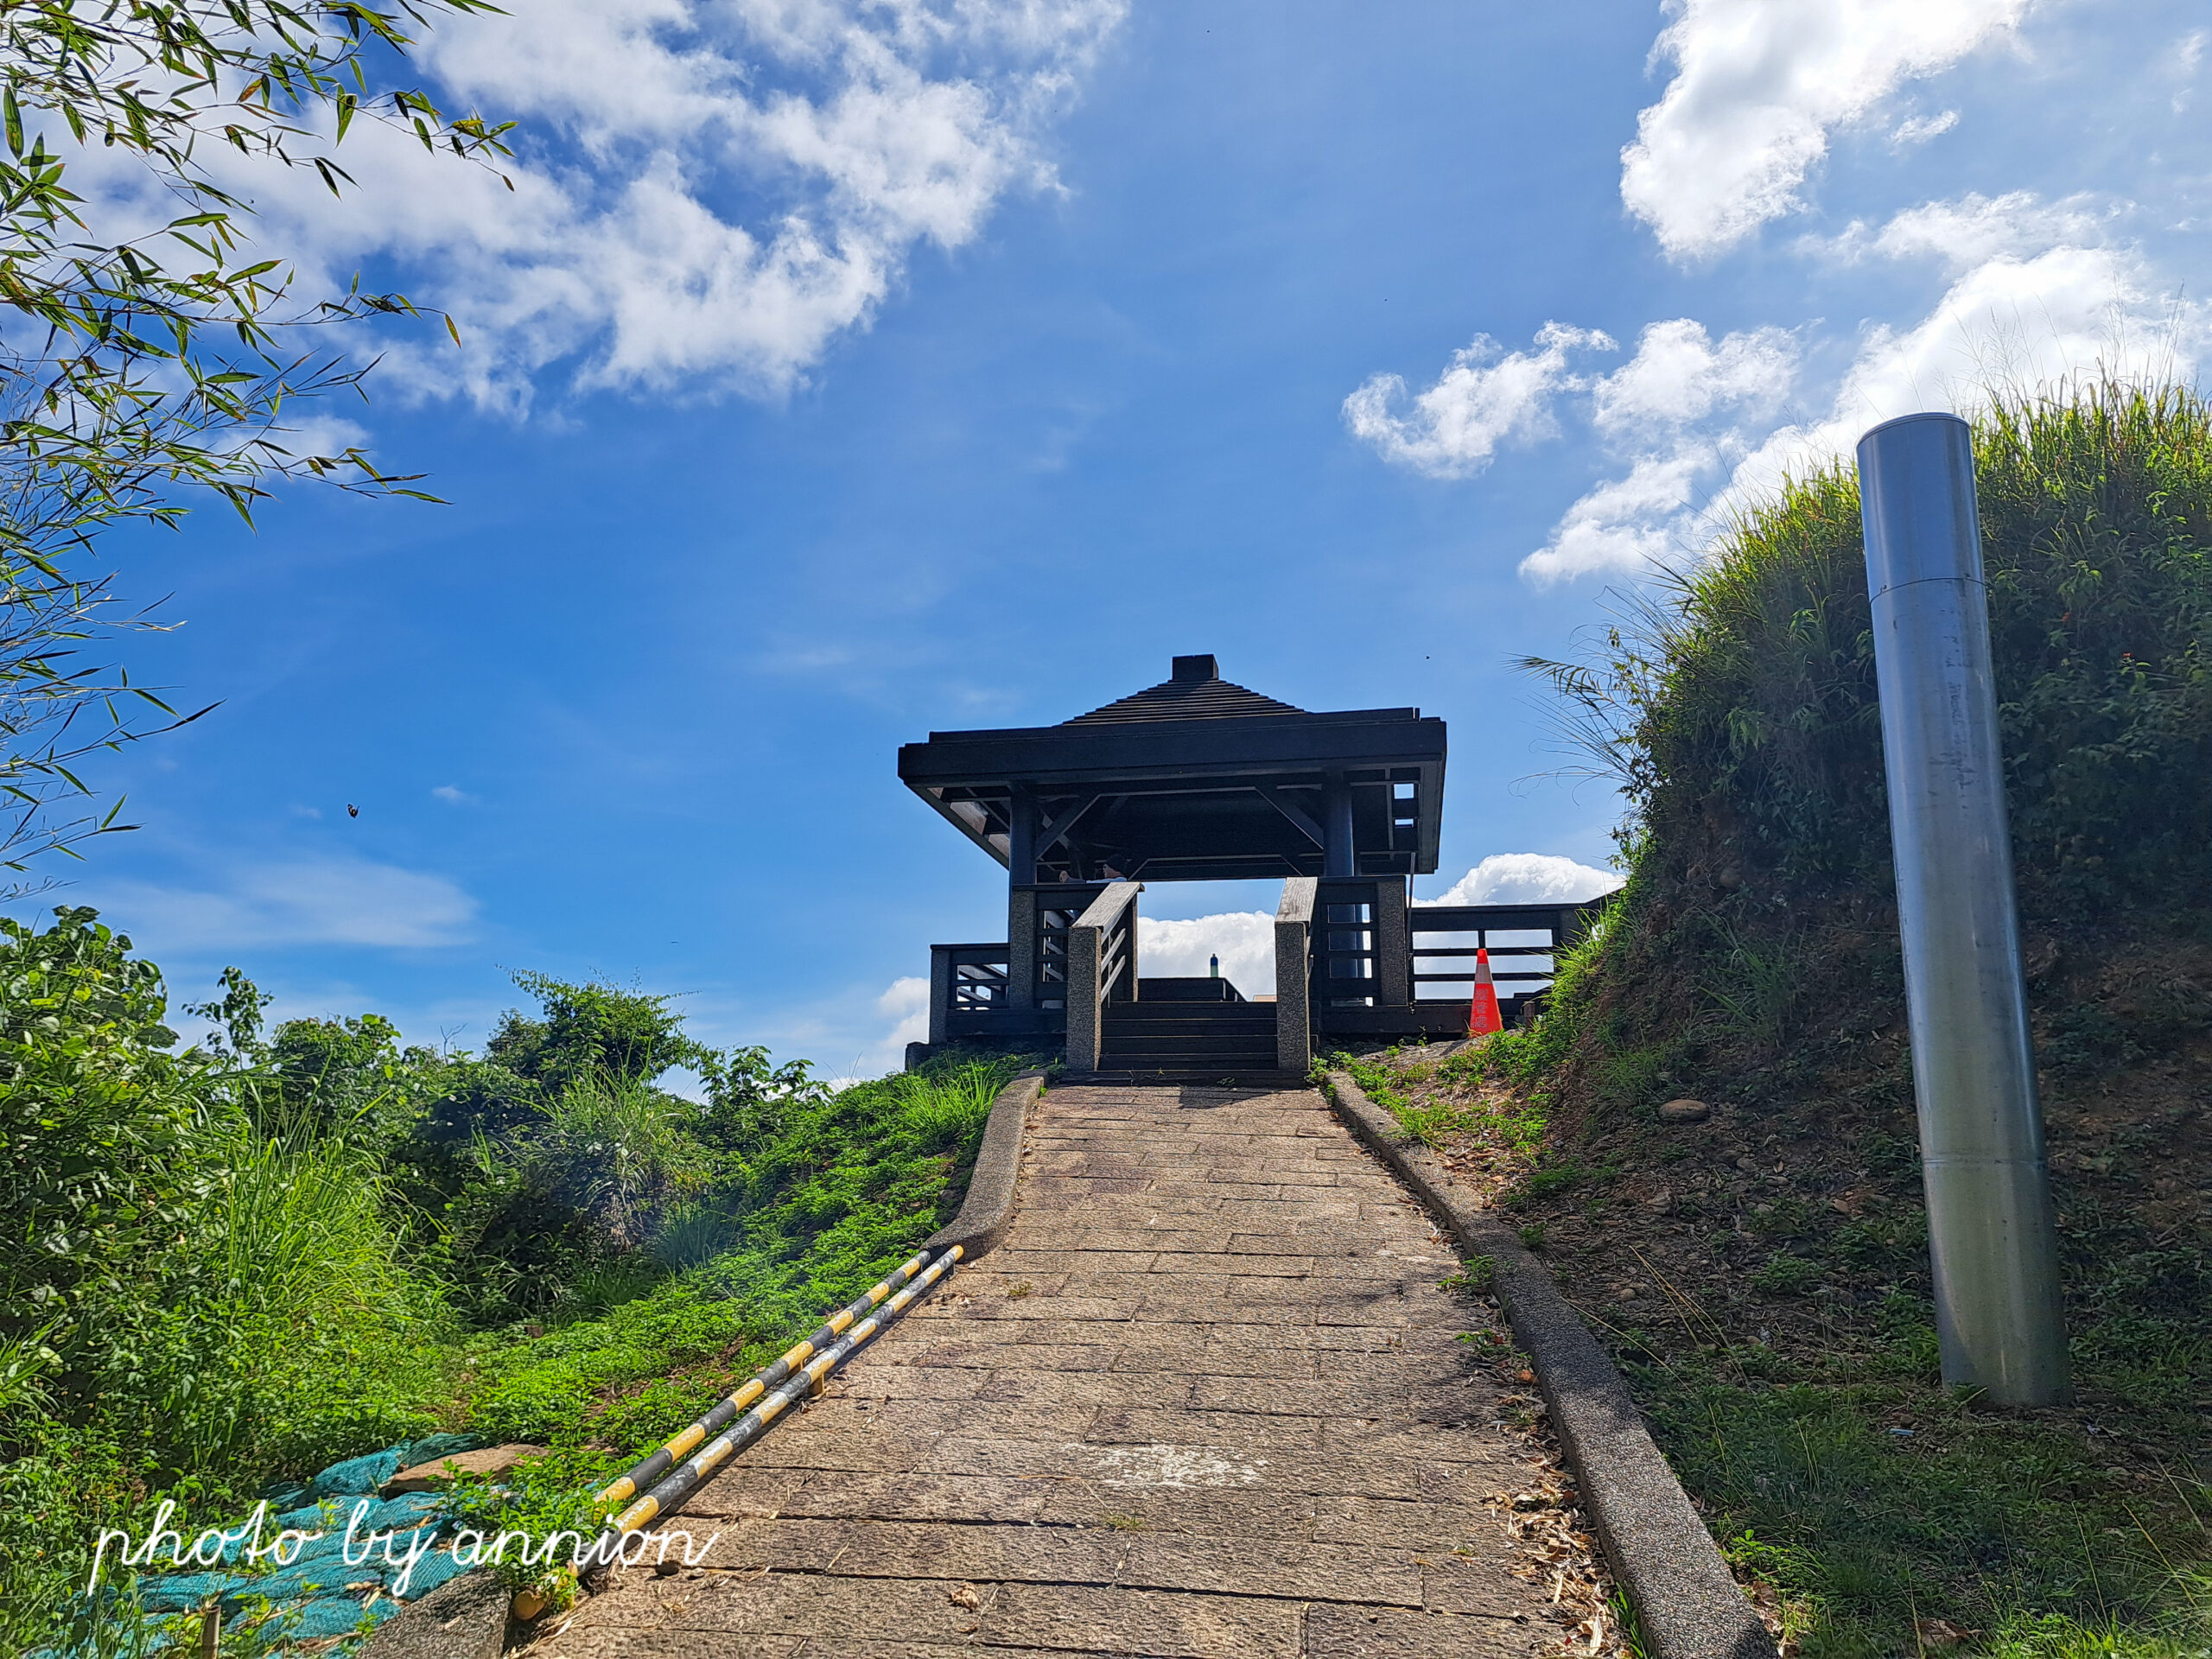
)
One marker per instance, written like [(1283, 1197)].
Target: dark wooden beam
[(1306, 826), (1050, 836)]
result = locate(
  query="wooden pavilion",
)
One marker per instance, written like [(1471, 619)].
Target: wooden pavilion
[(1194, 779)]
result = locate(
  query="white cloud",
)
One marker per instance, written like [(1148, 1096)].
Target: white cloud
[(2033, 304), (1758, 86), (2180, 61), (1683, 410), (1484, 399), (705, 196), (1624, 524), (1679, 376), (906, 1004), (301, 902), (453, 796), (1919, 128), (2009, 323), (1973, 229), (903, 1011), (1243, 939), (1527, 878)]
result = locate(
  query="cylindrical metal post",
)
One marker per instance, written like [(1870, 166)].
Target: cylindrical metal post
[(1990, 1228)]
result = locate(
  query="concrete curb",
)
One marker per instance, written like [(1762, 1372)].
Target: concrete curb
[(464, 1619), (1688, 1603), (988, 1210)]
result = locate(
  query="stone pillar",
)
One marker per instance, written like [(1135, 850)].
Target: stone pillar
[(1086, 997), (1086, 1016), (1021, 947), (1394, 962), (1293, 933)]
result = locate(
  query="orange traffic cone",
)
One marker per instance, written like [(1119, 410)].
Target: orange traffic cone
[(1483, 1017)]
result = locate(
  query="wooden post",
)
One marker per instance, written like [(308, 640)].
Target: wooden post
[(1339, 856), (941, 974)]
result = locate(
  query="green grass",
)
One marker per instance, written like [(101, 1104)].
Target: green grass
[(1515, 1125), (1751, 960), (1999, 1527), (840, 1197), (334, 1349)]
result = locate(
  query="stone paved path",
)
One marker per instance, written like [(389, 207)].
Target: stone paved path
[(1205, 1400)]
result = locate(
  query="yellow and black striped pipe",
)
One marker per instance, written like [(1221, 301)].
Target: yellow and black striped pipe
[(807, 1379), (641, 1477)]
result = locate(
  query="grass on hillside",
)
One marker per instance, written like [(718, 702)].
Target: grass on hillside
[(1785, 1353), (303, 1230), (1763, 1277)]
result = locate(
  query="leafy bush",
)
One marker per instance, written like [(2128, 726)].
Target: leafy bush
[(260, 1254), (193, 1294)]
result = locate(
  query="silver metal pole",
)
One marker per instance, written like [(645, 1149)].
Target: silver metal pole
[(1990, 1228)]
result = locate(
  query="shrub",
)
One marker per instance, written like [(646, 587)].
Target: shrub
[(1741, 713)]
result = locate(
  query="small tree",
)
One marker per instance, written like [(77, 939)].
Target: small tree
[(135, 372)]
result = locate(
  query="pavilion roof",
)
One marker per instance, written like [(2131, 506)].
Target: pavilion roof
[(1195, 778), (1198, 694)]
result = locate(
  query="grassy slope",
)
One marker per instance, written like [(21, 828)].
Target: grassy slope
[(1774, 1322), (842, 1193), (1763, 1276)]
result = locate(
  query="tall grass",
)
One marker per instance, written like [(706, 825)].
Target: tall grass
[(618, 1149), (1739, 711), (286, 1320), (1751, 960), (278, 1328)]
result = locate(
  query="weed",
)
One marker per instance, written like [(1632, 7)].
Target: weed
[(1785, 1276), (1479, 1276), (1755, 987)]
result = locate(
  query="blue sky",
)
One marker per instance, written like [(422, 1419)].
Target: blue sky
[(835, 373)]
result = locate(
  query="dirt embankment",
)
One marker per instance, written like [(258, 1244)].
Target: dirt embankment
[(1762, 1275)]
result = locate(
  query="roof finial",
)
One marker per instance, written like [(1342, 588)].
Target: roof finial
[(1196, 668)]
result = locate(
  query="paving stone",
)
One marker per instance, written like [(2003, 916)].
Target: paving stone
[(1030, 1356), (1150, 1622), (1117, 1389), (1401, 1523), (1212, 1291), (1052, 1307), (1389, 1633), (1227, 1417), (1263, 1567), (1264, 1510)]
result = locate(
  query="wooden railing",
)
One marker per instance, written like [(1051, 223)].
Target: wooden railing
[(1521, 962), (1101, 968), (1059, 904), (968, 991), (1351, 960)]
